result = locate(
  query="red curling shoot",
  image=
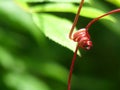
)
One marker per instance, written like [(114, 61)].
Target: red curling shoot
[(83, 38)]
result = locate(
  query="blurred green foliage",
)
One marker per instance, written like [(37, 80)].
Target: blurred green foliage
[(32, 36)]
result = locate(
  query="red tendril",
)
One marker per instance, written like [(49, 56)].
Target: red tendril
[(82, 37)]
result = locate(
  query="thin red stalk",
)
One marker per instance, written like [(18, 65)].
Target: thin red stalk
[(96, 19), (76, 19), (71, 67)]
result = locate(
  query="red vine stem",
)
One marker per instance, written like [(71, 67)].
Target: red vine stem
[(70, 36), (76, 19), (96, 19), (72, 66)]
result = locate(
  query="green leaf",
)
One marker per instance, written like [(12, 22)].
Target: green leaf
[(93, 13), (55, 28), (115, 2), (53, 0), (86, 11)]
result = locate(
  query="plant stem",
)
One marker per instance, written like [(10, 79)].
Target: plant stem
[(76, 19), (96, 19), (72, 66)]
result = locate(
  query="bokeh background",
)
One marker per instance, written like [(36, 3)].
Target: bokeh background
[(29, 60)]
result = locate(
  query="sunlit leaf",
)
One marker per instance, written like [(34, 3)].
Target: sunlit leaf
[(93, 13), (55, 28), (52, 1), (115, 2), (89, 12)]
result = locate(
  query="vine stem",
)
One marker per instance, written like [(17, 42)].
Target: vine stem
[(72, 66), (96, 19), (70, 36), (76, 19)]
